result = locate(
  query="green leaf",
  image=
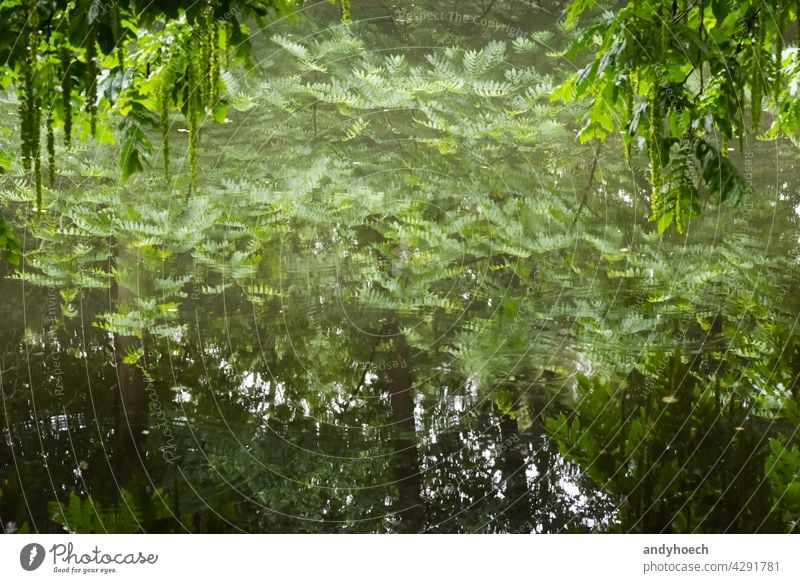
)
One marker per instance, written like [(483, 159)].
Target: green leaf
[(678, 122), (664, 221), (220, 112), (6, 162), (720, 9), (133, 356), (719, 174), (574, 11), (135, 146), (565, 91), (505, 403)]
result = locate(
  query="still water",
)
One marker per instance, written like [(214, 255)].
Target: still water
[(350, 330)]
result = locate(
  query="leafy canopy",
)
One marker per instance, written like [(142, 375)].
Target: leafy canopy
[(684, 78)]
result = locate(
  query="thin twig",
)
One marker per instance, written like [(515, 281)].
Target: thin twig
[(588, 188), (488, 8)]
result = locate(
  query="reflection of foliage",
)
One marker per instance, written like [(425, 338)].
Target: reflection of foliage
[(683, 458), (782, 468), (364, 195), (87, 516)]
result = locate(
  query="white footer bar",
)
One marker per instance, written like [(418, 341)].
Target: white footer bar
[(394, 558)]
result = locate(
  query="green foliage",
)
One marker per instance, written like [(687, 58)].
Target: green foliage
[(681, 450), (366, 195), (129, 50), (678, 75), (782, 468), (80, 515), (9, 243)]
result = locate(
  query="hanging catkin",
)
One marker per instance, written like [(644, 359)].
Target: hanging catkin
[(214, 64), (31, 114), (756, 81), (627, 141), (65, 55), (66, 92), (654, 141), (25, 107), (163, 111), (191, 114), (91, 78), (653, 149), (205, 69), (779, 53), (51, 148)]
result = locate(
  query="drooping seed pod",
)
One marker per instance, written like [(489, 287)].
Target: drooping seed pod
[(32, 110), (25, 145), (192, 113), (91, 78), (204, 69), (26, 101), (779, 53), (51, 148), (654, 149), (163, 111), (37, 177), (756, 75), (66, 92), (36, 152), (626, 138), (215, 62)]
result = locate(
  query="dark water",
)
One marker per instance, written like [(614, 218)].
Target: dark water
[(365, 335)]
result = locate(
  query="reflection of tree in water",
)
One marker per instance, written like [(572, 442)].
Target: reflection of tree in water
[(265, 455), (336, 348), (131, 406), (265, 443)]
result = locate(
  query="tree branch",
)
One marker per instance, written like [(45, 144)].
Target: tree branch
[(588, 188)]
